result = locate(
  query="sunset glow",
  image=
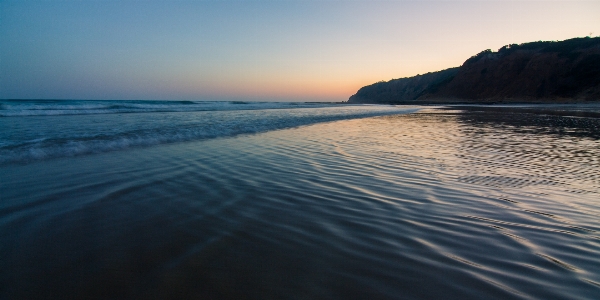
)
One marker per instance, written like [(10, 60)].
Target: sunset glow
[(257, 50)]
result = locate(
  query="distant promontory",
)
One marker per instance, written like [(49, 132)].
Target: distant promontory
[(563, 71)]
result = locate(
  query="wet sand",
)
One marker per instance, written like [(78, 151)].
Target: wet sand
[(449, 203)]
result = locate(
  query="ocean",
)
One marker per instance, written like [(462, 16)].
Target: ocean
[(251, 200)]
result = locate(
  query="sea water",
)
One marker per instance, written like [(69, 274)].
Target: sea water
[(33, 130), (230, 200)]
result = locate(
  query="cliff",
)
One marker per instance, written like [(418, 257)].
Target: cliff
[(402, 89), (532, 72)]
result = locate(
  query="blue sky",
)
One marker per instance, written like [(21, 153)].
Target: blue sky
[(256, 50)]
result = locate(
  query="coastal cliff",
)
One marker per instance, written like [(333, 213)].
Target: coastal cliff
[(403, 89), (562, 71)]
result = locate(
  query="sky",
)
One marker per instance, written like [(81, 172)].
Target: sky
[(270, 50)]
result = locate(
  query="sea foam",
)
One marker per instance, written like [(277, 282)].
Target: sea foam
[(34, 130)]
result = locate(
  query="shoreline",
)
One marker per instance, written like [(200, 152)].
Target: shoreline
[(564, 110), (482, 102)]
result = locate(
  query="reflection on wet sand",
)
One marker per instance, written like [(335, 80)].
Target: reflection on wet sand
[(442, 204)]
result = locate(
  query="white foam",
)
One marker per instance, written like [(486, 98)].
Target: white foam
[(19, 108), (72, 135)]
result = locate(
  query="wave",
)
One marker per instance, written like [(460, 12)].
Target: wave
[(36, 139), (19, 108)]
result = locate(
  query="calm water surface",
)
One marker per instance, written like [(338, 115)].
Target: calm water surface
[(439, 204)]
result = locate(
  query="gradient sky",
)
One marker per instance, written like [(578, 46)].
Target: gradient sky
[(256, 50)]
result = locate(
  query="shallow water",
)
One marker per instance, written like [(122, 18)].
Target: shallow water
[(444, 203)]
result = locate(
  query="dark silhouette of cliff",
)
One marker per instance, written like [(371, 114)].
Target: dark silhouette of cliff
[(403, 89), (564, 71)]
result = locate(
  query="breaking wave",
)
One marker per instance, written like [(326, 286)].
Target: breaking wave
[(70, 128)]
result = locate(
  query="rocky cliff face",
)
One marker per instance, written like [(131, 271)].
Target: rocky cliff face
[(533, 72)]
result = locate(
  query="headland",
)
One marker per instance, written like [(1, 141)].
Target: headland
[(538, 72)]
